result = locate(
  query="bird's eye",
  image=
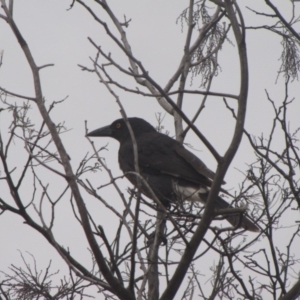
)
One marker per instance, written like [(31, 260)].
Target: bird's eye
[(118, 125)]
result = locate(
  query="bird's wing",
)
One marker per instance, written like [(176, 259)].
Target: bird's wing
[(195, 162), (159, 153)]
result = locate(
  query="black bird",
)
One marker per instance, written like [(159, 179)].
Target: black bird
[(174, 173)]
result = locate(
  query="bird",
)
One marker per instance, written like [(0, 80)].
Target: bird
[(174, 173)]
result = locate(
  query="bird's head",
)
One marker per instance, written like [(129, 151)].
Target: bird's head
[(119, 130)]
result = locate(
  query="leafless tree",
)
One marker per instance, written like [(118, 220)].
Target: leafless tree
[(148, 258)]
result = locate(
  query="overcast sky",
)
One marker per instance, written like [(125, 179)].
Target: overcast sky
[(59, 36)]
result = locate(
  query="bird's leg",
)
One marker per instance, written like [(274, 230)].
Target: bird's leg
[(159, 232)]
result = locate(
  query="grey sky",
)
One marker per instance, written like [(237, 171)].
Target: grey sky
[(58, 36)]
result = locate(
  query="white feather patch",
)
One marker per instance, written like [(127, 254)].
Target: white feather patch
[(189, 193)]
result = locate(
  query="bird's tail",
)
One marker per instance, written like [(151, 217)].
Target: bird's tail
[(193, 193), (238, 220)]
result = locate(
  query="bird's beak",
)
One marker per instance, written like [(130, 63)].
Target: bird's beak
[(103, 131)]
